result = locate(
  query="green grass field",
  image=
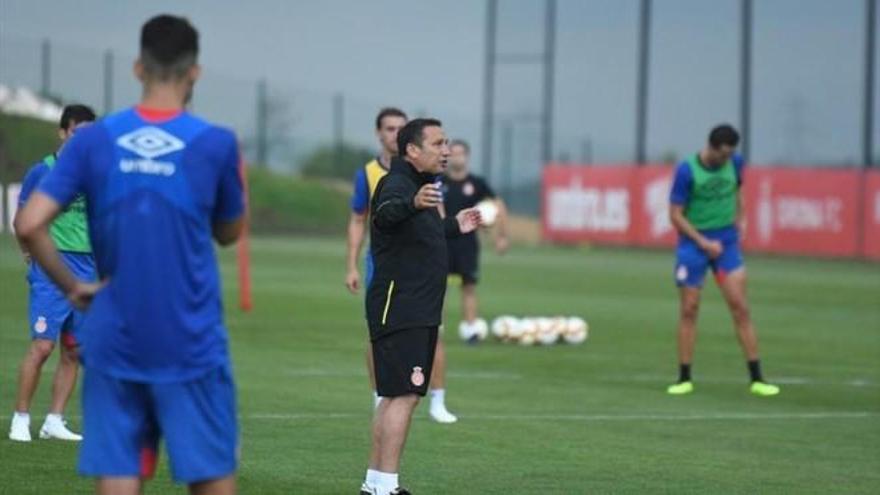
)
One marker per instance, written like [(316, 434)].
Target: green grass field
[(569, 420)]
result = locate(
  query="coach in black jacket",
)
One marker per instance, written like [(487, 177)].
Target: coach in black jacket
[(405, 299)]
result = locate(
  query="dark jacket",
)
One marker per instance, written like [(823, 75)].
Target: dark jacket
[(408, 246)]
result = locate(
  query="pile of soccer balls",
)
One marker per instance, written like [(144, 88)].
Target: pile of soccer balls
[(527, 331)]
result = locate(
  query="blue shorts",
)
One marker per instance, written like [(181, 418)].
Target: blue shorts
[(123, 422), (51, 314), (692, 262), (368, 269)]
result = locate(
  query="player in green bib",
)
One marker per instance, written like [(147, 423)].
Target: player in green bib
[(706, 208), (52, 316)]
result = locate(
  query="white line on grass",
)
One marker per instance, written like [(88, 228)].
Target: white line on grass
[(574, 417), (595, 417), (782, 380)]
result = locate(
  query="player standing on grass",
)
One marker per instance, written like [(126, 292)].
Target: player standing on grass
[(405, 299), (51, 314), (706, 206), (462, 190), (389, 121), (159, 183)]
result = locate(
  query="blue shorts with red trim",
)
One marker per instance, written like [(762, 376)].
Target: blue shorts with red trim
[(124, 420), (692, 262), (51, 314)]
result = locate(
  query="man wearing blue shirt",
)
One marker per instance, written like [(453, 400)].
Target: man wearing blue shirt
[(159, 184), (52, 317), (706, 208)]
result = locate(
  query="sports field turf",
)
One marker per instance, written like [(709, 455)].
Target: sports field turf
[(588, 419)]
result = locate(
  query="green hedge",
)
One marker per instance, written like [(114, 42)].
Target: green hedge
[(336, 163), (281, 204), (23, 141)]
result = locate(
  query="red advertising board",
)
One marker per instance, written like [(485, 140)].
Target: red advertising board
[(805, 211), (651, 225), (822, 212), (587, 204), (871, 215)]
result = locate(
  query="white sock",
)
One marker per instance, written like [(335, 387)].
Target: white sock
[(22, 416), (54, 417), (372, 478), (438, 397), (386, 482)]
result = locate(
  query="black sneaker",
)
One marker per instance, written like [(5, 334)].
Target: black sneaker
[(400, 491)]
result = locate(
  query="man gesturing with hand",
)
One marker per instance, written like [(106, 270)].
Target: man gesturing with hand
[(405, 299)]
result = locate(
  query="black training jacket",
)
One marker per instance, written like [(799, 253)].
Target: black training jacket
[(408, 246)]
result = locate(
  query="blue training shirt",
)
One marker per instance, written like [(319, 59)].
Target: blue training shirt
[(31, 180), (153, 189), (360, 198)]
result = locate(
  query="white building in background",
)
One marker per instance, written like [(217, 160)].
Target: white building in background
[(25, 102)]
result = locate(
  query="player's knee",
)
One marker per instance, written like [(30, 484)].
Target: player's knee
[(41, 350), (690, 309), (740, 310), (409, 400)]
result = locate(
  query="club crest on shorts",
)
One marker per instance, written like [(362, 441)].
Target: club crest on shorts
[(40, 326), (468, 189), (417, 377), (682, 273)]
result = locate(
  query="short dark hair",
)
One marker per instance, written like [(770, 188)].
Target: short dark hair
[(723, 134), (461, 142), (388, 112), (75, 114), (414, 133), (169, 46)]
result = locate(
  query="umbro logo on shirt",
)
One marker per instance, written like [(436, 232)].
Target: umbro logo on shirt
[(150, 142)]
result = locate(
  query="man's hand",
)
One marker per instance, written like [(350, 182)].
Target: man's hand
[(429, 196), (501, 244), (83, 293), (469, 220), (353, 281), (712, 248)]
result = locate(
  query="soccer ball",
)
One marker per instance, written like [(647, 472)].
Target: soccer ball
[(502, 327), (473, 332), (576, 330), (488, 211), (528, 331), (515, 330), (549, 330)]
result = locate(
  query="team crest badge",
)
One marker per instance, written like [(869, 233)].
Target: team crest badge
[(682, 273), (468, 189), (41, 326), (417, 378)]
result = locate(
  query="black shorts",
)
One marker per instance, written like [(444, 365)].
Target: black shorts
[(403, 361), (464, 260)]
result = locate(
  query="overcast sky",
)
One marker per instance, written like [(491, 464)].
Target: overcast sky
[(428, 58)]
